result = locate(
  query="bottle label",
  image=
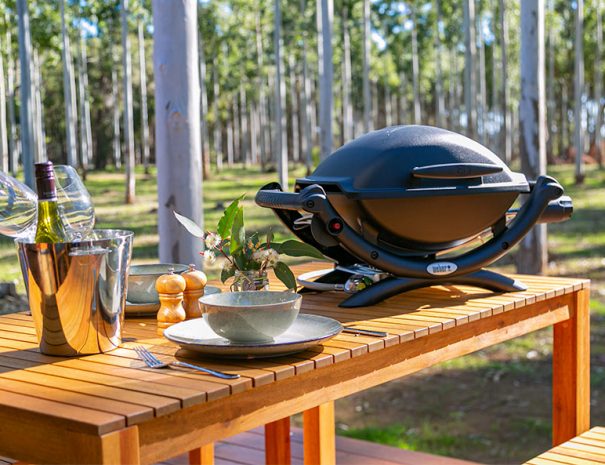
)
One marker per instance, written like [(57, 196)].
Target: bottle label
[(46, 188)]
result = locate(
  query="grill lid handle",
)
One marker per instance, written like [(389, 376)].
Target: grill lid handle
[(455, 171)]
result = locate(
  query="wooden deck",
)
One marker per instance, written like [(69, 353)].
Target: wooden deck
[(249, 449)]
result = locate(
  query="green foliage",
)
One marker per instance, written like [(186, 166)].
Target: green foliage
[(285, 275), (226, 222)]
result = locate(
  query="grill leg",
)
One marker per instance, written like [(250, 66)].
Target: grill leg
[(390, 287)]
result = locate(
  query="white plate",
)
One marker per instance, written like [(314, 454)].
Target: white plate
[(151, 308), (306, 331)]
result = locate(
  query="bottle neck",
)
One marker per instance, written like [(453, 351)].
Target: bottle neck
[(46, 188)]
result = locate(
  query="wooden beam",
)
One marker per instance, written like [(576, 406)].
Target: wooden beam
[(202, 455), (571, 371), (319, 435), (277, 442)]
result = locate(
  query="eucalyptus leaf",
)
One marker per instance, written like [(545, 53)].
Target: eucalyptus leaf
[(238, 233), (285, 275), (226, 222), (189, 225), (294, 248)]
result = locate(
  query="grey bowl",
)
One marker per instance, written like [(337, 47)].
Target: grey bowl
[(142, 278), (251, 316)]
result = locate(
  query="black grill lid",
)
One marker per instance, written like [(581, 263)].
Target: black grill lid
[(410, 161)]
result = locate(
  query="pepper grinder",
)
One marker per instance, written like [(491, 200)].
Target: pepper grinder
[(170, 288), (196, 282)]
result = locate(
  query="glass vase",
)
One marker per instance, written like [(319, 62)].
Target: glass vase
[(250, 280)]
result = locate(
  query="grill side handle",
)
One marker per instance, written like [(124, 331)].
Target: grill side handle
[(277, 199)]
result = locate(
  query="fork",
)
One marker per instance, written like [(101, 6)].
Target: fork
[(153, 362)]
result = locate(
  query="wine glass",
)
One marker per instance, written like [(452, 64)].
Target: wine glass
[(18, 208), (75, 204)]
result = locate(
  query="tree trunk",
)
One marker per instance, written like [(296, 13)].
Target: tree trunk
[(230, 143), (367, 100), (307, 140), (403, 102), (496, 72), (68, 93), (4, 153), (578, 89), (280, 97), (452, 97), (415, 69), (347, 120), (10, 89), (85, 144), (550, 89), (470, 90), (38, 110), (482, 86), (294, 109), (439, 99), (244, 130), (177, 128), (128, 120), (218, 140), (117, 148), (27, 123), (598, 86), (504, 92), (203, 110), (564, 137), (326, 80), (143, 84), (532, 254), (262, 113)]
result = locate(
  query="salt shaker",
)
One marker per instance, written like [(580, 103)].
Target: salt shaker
[(196, 282), (170, 288)]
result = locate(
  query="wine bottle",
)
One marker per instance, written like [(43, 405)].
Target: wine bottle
[(50, 227)]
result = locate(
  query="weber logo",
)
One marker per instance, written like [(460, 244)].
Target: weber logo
[(441, 268)]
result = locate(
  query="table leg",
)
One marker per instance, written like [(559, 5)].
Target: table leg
[(202, 456), (319, 437), (277, 442), (571, 371)]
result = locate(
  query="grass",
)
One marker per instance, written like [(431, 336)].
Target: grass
[(492, 406)]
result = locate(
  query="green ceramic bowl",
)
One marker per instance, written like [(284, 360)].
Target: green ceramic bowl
[(251, 316), (141, 281)]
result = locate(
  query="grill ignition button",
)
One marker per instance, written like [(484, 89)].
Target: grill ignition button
[(335, 226)]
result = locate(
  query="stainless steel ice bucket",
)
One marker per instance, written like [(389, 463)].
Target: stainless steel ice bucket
[(77, 291)]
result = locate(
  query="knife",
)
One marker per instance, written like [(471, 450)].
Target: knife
[(364, 332)]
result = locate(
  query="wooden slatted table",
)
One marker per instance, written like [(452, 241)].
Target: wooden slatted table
[(111, 409)]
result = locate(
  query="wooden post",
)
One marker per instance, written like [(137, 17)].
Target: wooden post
[(202, 455), (277, 442), (571, 371), (319, 436)]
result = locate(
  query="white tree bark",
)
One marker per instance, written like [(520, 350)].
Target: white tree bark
[(367, 99), (482, 86), (439, 99), (326, 82), (38, 110), (143, 84), (347, 123), (178, 145), (294, 109), (203, 109), (452, 97), (564, 138), (578, 90), (244, 129), (506, 137), (470, 90), (27, 122), (281, 144), (85, 124), (260, 82), (307, 140), (4, 153), (115, 105), (598, 84), (69, 93), (550, 90), (129, 159), (218, 140), (10, 89), (415, 68), (532, 255)]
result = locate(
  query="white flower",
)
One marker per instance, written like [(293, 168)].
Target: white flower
[(209, 257), (272, 257), (212, 240), (258, 256)]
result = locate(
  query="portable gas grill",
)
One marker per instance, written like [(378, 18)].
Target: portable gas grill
[(403, 200)]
